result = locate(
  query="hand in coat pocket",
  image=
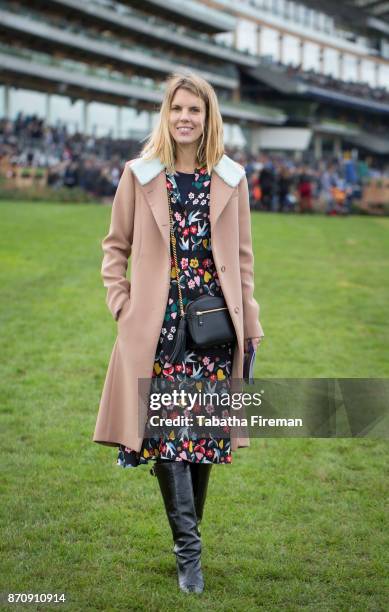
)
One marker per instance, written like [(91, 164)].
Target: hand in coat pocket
[(123, 309)]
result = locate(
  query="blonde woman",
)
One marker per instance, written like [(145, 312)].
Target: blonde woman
[(184, 187)]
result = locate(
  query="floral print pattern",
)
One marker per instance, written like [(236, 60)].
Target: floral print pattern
[(204, 368)]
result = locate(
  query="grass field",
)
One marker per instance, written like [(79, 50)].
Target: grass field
[(293, 524)]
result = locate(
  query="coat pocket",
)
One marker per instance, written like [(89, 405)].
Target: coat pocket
[(124, 311)]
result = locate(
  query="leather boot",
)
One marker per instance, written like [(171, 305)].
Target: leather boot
[(200, 478), (175, 481)]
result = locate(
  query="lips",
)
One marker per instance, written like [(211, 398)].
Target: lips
[(184, 129)]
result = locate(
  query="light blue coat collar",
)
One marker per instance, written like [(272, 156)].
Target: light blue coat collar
[(230, 171)]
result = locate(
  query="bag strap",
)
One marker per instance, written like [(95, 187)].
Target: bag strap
[(173, 242)]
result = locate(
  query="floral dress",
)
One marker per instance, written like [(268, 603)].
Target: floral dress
[(190, 199)]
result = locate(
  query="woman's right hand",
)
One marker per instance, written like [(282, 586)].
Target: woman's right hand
[(123, 308)]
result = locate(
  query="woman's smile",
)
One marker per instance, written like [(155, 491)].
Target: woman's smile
[(184, 130)]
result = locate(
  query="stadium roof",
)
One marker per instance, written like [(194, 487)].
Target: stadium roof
[(360, 15)]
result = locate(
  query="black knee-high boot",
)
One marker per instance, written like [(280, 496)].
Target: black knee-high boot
[(200, 479), (175, 482)]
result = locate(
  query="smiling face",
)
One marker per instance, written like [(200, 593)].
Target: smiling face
[(186, 117)]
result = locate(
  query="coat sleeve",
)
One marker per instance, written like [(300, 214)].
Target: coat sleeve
[(251, 325), (117, 244)]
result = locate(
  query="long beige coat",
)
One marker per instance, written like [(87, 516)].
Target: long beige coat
[(140, 228)]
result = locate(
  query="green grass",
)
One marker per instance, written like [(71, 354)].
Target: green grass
[(293, 524)]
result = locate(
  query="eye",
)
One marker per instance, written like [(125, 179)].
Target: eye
[(193, 109)]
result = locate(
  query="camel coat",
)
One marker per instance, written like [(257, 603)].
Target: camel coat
[(140, 228)]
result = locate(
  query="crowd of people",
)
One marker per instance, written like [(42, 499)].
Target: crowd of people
[(327, 81), (276, 183), (279, 184), (73, 160)]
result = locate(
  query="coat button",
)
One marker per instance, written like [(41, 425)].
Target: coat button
[(236, 309), (223, 269)]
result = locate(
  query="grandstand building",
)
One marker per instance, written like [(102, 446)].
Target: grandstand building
[(288, 77)]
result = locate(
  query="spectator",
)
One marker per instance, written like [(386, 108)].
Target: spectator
[(305, 191), (267, 183)]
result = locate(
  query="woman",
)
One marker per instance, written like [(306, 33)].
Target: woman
[(183, 166), (305, 190)]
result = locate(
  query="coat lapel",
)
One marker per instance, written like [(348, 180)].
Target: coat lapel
[(156, 196), (151, 176), (219, 193)]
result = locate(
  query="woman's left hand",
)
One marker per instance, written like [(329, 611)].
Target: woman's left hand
[(255, 342)]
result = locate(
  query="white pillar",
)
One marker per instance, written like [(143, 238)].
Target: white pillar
[(281, 47), (48, 109), (377, 73), (235, 38), (85, 117), (341, 65), (149, 122), (359, 69), (302, 53), (321, 60), (119, 121), (259, 40), (318, 146), (6, 102)]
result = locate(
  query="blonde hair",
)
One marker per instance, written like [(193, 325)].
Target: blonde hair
[(160, 144)]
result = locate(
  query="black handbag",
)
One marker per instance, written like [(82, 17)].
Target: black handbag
[(206, 322)]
